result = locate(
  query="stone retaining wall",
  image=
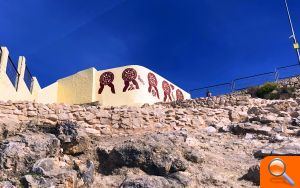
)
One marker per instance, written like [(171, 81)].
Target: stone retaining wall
[(97, 119), (188, 113)]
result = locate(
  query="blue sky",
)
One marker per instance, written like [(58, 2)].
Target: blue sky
[(192, 43)]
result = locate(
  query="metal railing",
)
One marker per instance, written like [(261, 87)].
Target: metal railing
[(217, 89), (243, 83), (250, 81), (287, 71), (14, 75), (28, 79), (12, 72)]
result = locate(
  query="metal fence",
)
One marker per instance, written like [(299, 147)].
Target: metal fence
[(28, 79), (218, 89), (287, 71), (12, 72), (14, 75), (254, 80), (242, 83)]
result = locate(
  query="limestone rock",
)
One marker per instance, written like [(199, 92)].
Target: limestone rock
[(287, 149), (6, 184), (18, 152), (148, 182), (210, 129), (73, 140), (151, 159), (194, 156), (256, 129), (253, 175)]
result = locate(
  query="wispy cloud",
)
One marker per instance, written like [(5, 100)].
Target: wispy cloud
[(79, 26)]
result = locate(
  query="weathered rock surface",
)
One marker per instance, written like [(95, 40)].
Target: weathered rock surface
[(19, 153), (253, 174), (292, 148), (150, 155), (205, 142)]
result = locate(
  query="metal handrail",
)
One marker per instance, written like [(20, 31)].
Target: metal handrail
[(294, 65), (233, 82), (28, 79), (210, 86), (253, 76), (14, 66), (0, 54), (16, 75)]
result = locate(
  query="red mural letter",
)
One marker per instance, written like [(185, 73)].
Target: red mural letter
[(167, 90), (152, 81), (179, 95), (107, 78), (129, 75)]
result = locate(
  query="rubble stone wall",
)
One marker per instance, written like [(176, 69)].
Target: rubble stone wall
[(291, 82), (217, 111)]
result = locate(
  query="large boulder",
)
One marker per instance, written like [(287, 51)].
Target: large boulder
[(66, 179), (286, 149), (73, 139), (51, 172), (19, 153), (150, 157), (8, 127), (146, 181)]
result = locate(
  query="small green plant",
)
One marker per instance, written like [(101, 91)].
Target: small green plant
[(272, 91), (266, 89)]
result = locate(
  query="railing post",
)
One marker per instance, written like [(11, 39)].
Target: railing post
[(276, 75), (233, 86), (21, 69), (3, 61)]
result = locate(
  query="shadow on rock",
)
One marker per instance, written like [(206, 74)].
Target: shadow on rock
[(73, 140), (152, 159)]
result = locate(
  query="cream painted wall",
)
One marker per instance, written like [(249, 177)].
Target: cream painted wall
[(36, 88), (7, 89), (77, 89), (23, 92), (48, 94)]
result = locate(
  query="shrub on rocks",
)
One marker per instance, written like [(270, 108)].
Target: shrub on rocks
[(272, 91)]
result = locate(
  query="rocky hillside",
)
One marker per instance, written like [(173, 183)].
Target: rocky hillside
[(208, 142)]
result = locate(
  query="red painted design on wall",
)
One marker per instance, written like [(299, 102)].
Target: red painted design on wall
[(129, 75), (167, 91), (179, 95), (106, 79), (152, 81)]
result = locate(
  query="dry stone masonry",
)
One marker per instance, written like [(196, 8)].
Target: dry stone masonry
[(198, 113)]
